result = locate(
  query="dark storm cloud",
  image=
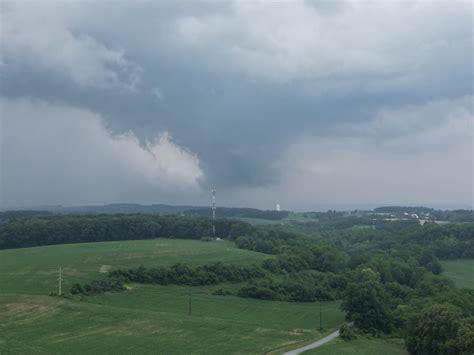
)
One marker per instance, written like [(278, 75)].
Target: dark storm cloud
[(230, 83)]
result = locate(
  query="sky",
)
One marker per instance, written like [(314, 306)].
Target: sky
[(304, 103)]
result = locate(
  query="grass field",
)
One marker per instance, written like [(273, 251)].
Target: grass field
[(371, 346), (145, 318), (34, 270), (288, 220), (460, 271)]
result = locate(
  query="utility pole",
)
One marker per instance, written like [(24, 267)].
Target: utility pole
[(190, 310), (60, 281), (320, 317)]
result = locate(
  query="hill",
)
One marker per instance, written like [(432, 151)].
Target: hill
[(145, 318)]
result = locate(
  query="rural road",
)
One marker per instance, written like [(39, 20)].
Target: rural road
[(314, 345)]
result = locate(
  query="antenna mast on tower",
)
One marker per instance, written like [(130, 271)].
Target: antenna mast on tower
[(213, 213)]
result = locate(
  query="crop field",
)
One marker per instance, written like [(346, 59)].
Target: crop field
[(144, 318), (364, 346), (461, 271)]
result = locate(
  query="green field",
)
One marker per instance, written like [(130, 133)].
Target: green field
[(288, 220), (144, 318), (460, 271), (34, 270), (372, 346)]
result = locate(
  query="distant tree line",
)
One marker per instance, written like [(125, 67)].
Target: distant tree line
[(31, 228), (7, 215), (227, 212), (448, 241), (62, 229), (132, 208), (403, 209), (445, 241)]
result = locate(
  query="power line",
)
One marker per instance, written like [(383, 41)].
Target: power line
[(320, 317), (190, 309)]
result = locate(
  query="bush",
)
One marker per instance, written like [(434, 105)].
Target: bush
[(221, 292), (177, 274), (347, 332), (98, 286), (257, 292)]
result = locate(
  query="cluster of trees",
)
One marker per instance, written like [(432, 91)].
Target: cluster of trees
[(180, 274), (440, 329), (177, 274), (446, 241), (272, 241), (61, 229), (226, 212), (98, 286), (301, 286), (331, 221), (387, 276), (314, 256), (427, 310)]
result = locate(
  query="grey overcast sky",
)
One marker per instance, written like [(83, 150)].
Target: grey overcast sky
[(303, 103)]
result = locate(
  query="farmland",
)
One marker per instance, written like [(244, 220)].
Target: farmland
[(136, 283), (34, 270), (461, 271), (144, 318)]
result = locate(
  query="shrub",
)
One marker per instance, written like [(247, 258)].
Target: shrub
[(221, 292), (347, 332)]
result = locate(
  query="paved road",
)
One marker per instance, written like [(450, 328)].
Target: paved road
[(314, 345)]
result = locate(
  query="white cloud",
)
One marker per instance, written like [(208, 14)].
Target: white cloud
[(59, 154), (287, 40), (43, 40), (388, 43), (434, 125)]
